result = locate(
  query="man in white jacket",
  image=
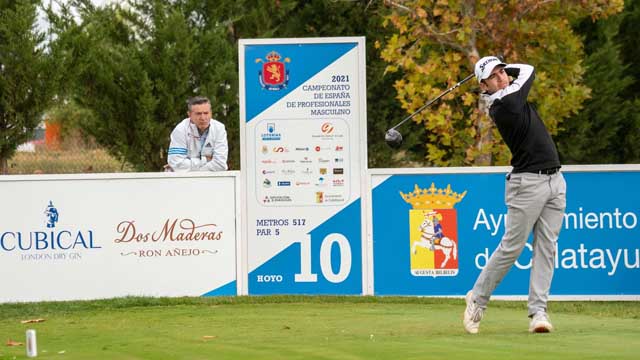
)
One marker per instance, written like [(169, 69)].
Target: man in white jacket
[(198, 143)]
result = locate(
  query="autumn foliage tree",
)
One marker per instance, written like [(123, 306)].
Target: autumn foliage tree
[(436, 43)]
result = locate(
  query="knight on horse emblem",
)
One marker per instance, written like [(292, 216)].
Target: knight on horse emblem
[(432, 238), (433, 231)]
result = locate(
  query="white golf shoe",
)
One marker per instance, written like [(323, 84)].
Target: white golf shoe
[(472, 315), (540, 323)]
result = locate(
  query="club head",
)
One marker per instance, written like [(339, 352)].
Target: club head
[(393, 138)]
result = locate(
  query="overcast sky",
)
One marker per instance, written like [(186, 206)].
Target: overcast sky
[(42, 23)]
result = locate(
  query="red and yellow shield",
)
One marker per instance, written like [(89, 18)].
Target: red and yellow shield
[(433, 231), (273, 75)]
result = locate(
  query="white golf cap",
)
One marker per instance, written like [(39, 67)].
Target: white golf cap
[(485, 66)]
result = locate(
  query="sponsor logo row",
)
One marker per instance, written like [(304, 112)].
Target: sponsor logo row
[(303, 171), (321, 197), (52, 242), (326, 132), (285, 149), (320, 181), (304, 160)]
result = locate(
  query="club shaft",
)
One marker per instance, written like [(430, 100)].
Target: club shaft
[(433, 100)]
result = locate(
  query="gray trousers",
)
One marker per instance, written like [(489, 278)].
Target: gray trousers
[(535, 202)]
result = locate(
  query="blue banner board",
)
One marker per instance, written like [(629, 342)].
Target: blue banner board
[(597, 255)]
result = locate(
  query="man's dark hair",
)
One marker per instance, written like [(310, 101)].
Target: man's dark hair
[(197, 100)]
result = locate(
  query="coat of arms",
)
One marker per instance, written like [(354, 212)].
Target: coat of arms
[(433, 231), (274, 74)]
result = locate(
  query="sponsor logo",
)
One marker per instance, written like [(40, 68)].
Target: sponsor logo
[(319, 148), (288, 171), (265, 172), (321, 181), (306, 171), (171, 230), (288, 161), (284, 183), (264, 149), (327, 132), (302, 183), (338, 171), (322, 160), (339, 148), (306, 160), (302, 148), (52, 215), (333, 198), (280, 149), (338, 182), (184, 232), (266, 183), (273, 75), (433, 236), (327, 128), (268, 161), (271, 134), (322, 171), (50, 241), (486, 62), (319, 197), (338, 160), (276, 199)]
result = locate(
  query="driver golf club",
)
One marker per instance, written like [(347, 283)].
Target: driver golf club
[(394, 138)]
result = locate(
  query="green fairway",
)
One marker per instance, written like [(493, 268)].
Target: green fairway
[(294, 327)]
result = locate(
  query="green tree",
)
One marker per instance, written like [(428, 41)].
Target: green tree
[(436, 43), (627, 37), (26, 76), (321, 18), (205, 57), (603, 129), (134, 65)]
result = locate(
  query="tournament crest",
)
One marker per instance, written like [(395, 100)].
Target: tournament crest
[(433, 235), (274, 74)]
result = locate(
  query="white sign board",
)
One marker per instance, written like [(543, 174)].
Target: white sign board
[(103, 236), (303, 136)]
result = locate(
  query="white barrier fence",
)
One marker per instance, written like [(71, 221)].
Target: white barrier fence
[(65, 237)]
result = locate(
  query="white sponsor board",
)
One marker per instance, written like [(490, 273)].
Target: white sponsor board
[(110, 235), (303, 136)]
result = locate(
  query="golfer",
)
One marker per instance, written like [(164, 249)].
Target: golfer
[(535, 192)]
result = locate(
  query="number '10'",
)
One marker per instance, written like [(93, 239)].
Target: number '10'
[(306, 275)]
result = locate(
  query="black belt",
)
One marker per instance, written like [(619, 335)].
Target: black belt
[(549, 171)]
